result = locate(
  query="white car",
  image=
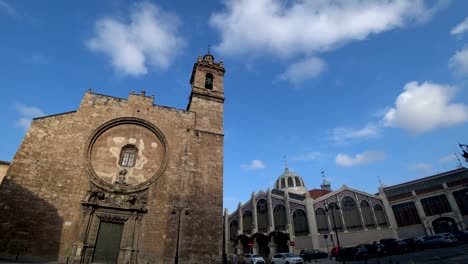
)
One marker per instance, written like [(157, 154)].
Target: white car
[(253, 259), (286, 258)]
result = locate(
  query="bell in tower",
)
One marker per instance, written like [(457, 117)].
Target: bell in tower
[(207, 96)]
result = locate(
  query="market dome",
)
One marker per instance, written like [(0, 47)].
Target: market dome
[(291, 182)]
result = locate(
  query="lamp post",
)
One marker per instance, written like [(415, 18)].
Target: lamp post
[(179, 209), (327, 208)]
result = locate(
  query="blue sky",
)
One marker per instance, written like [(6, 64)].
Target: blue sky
[(361, 89)]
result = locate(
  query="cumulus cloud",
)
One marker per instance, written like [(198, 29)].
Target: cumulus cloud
[(366, 157), (300, 71), (424, 168), (460, 28), (288, 28), (458, 63), (345, 134), (254, 165), (448, 158), (424, 107), (27, 113), (148, 38), (4, 6)]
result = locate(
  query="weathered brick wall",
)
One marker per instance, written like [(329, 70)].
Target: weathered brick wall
[(3, 169), (47, 180)]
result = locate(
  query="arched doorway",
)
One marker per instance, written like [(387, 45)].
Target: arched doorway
[(444, 224), (262, 245), (281, 242), (245, 241)]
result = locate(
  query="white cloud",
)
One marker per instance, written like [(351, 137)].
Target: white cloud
[(424, 107), (254, 165), (308, 68), (424, 168), (459, 62), (460, 28), (448, 158), (344, 134), (286, 28), (27, 113), (309, 156), (366, 157), (8, 9), (148, 39)]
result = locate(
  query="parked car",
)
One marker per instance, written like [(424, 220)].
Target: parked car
[(353, 253), (462, 236), (312, 254), (375, 250), (394, 246), (253, 259), (440, 240), (286, 258), (414, 243)]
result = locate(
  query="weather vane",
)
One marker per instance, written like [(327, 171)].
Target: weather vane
[(464, 148)]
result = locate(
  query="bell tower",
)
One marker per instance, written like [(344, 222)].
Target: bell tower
[(207, 96)]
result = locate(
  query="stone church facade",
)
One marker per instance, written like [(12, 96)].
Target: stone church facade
[(120, 180)]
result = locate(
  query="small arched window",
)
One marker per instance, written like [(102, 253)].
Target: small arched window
[(301, 227), (128, 156), (283, 183), (290, 182), (298, 182), (351, 214), (322, 222), (279, 217), (209, 81), (367, 215), (233, 228), (262, 216), (380, 215)]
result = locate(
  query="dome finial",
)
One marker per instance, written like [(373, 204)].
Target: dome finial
[(286, 169)]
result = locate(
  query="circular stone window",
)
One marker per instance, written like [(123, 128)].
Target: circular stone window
[(126, 154)]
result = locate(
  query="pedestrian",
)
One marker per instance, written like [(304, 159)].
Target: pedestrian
[(234, 258)]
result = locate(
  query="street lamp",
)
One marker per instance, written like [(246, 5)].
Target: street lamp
[(174, 211), (327, 208)]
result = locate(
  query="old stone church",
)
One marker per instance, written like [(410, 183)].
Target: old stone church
[(120, 180)]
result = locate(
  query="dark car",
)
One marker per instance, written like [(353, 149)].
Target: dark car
[(414, 243), (353, 253), (440, 240), (375, 250), (394, 246), (312, 254), (462, 236)]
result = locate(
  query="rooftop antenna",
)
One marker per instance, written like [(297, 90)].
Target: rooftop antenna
[(323, 173), (380, 181), (209, 49)]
